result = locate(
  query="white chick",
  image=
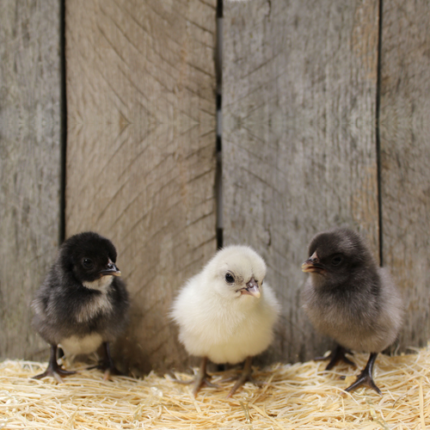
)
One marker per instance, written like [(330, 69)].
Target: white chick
[(225, 314)]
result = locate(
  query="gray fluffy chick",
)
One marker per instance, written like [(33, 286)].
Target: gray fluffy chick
[(82, 303), (349, 298)]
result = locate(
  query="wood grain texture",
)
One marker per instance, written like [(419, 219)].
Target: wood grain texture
[(141, 152), (299, 150), (30, 153), (405, 159)]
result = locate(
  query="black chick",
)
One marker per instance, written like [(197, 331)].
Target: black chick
[(349, 298), (82, 303)]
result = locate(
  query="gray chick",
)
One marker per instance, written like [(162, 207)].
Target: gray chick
[(349, 298), (82, 303)]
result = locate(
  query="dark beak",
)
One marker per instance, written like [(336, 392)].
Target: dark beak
[(110, 270), (252, 288), (313, 265)]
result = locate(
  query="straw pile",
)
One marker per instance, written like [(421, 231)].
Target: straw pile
[(299, 396)]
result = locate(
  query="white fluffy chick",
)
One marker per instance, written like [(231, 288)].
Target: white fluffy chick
[(225, 314)]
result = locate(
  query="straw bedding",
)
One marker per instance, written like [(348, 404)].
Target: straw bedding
[(299, 396)]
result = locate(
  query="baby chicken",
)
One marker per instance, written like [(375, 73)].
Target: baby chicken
[(82, 303), (225, 314), (349, 298)]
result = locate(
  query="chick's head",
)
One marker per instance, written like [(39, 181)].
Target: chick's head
[(89, 257), (236, 272), (337, 257)]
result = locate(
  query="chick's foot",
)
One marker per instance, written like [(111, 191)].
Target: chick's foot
[(54, 369), (245, 376), (201, 378), (106, 365), (365, 377), (336, 355)]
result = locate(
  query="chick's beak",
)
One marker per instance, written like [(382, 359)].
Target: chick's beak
[(312, 264), (251, 288), (110, 269)]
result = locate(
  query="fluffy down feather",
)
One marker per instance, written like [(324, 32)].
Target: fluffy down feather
[(218, 319)]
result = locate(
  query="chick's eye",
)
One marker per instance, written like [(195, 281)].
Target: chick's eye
[(229, 278), (337, 260), (87, 263)]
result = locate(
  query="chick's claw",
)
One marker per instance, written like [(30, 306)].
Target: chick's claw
[(107, 365), (204, 380), (55, 371), (201, 378), (246, 376), (336, 355), (365, 377)]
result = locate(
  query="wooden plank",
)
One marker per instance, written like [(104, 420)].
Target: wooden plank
[(30, 153), (141, 152), (405, 159), (299, 91)]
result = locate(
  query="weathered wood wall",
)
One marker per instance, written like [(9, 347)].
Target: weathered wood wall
[(300, 150), (141, 152), (30, 154), (405, 158)]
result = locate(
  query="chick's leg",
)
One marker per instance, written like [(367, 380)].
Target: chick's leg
[(54, 369), (246, 376), (110, 368), (365, 377), (106, 364), (336, 355), (201, 378)]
